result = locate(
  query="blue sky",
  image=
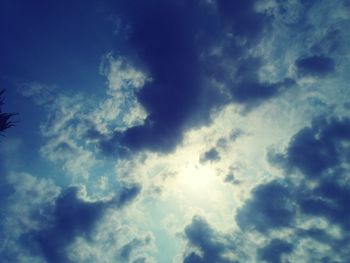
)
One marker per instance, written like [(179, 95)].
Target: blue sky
[(193, 131)]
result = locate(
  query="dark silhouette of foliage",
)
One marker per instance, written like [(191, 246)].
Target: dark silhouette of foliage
[(5, 118)]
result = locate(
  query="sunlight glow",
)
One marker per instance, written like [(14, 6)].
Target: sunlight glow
[(196, 178)]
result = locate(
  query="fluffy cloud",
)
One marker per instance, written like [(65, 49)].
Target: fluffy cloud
[(77, 128), (314, 190), (194, 67), (41, 222), (270, 209), (287, 218), (73, 217), (211, 246), (113, 240)]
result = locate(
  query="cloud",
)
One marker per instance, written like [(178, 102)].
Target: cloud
[(120, 110), (75, 122), (114, 240), (72, 157), (318, 66), (127, 195), (274, 251), (212, 246), (72, 217), (41, 94), (190, 51), (127, 250), (22, 213), (42, 221), (242, 17), (328, 200), (314, 190), (269, 209), (165, 43), (211, 155), (254, 92), (314, 150), (179, 65)]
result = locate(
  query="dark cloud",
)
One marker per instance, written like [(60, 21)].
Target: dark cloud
[(162, 35), (321, 153), (315, 149), (127, 249), (315, 66), (211, 155), (274, 251), (243, 19), (254, 92), (173, 41), (71, 217), (127, 195), (212, 245), (247, 87), (329, 200), (270, 208)]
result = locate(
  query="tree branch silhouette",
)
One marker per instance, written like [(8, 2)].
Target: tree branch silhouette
[(5, 118)]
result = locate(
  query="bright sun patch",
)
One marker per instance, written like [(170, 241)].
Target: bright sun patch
[(197, 178)]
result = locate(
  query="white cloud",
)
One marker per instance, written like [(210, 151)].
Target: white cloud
[(121, 74), (120, 110), (30, 195), (71, 116), (114, 240)]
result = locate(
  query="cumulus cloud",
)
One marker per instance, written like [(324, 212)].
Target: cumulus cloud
[(194, 67), (77, 127), (314, 150), (113, 240), (286, 218), (316, 168), (211, 246), (45, 222), (269, 209), (71, 217)]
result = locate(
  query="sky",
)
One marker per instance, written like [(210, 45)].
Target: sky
[(175, 131)]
